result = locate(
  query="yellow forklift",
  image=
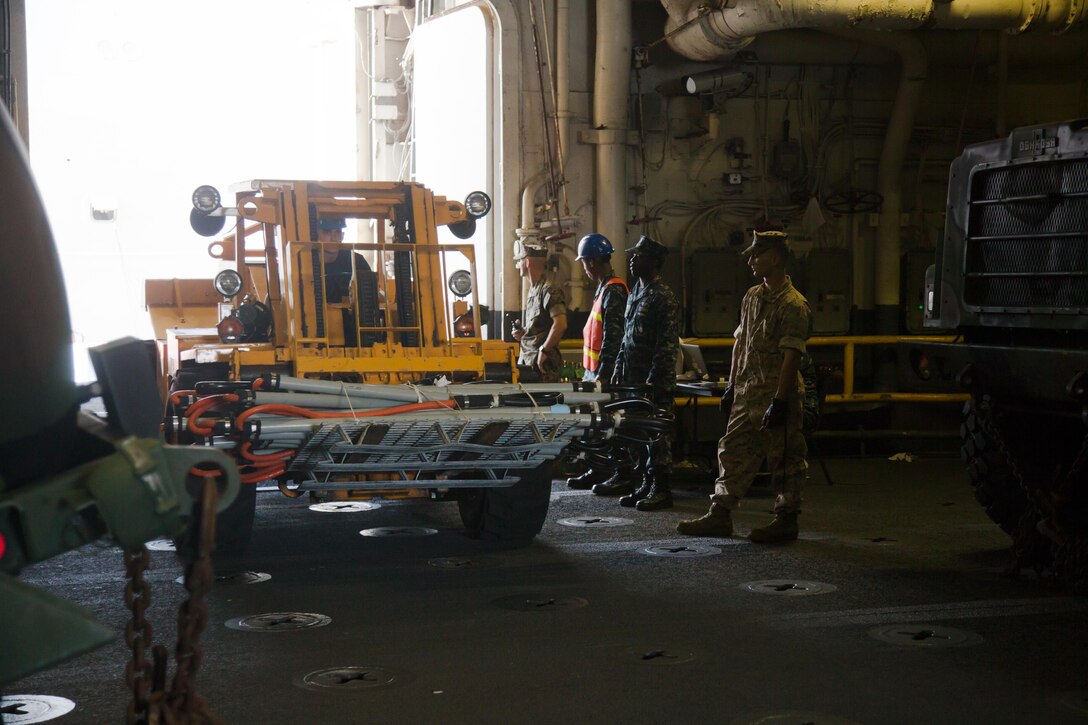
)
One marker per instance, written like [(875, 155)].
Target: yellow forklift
[(399, 309)]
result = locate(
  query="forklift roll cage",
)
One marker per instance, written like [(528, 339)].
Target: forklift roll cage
[(416, 336)]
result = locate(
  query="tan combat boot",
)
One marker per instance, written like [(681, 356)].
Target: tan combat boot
[(716, 522), (783, 528)]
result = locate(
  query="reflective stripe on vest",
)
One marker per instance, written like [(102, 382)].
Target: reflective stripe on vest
[(593, 332)]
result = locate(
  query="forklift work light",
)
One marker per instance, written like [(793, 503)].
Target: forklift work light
[(206, 199), (460, 283), (228, 283), (478, 204)]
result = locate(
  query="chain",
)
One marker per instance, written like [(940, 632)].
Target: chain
[(138, 670), (151, 702), (183, 700)]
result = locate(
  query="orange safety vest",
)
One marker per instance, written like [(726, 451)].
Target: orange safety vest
[(593, 332)]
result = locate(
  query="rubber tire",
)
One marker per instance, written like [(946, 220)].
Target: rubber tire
[(513, 514), (234, 525), (991, 477)]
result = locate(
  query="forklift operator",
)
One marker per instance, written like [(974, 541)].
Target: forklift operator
[(338, 261)]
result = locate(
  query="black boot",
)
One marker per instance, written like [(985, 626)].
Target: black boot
[(588, 479), (643, 491), (660, 496), (620, 483)]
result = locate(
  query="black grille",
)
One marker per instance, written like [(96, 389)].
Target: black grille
[(1028, 255), (1037, 292), (1050, 215), (1027, 180), (1027, 244)]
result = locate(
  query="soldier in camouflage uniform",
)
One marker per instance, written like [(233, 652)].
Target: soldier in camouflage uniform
[(544, 319), (763, 400), (648, 357)]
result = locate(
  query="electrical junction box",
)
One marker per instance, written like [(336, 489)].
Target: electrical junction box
[(827, 275), (719, 278)]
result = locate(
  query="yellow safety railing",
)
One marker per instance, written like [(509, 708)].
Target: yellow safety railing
[(849, 346)]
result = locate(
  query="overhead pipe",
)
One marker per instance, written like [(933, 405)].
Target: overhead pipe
[(611, 87), (719, 34), (943, 48), (563, 115), (912, 76), (529, 231)]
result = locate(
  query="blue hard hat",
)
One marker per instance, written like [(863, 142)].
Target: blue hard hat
[(331, 224), (594, 245)]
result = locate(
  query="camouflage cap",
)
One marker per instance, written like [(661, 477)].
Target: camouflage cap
[(649, 247), (521, 251), (762, 241)]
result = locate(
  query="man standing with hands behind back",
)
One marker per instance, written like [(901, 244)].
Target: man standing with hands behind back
[(763, 401), (544, 319)]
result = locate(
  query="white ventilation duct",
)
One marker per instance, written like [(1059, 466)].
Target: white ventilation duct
[(912, 76), (719, 34), (611, 90)]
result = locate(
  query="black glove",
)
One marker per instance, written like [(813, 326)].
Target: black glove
[(775, 417), (726, 404)]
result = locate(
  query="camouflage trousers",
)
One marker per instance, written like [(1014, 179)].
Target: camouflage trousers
[(659, 455), (527, 363), (744, 447)]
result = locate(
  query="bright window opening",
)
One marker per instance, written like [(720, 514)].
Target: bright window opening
[(135, 104), (452, 84)]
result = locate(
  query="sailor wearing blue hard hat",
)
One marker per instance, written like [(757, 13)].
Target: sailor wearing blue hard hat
[(603, 330)]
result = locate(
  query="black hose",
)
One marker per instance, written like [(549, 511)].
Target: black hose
[(631, 402), (646, 424), (583, 446), (635, 439), (627, 389), (523, 400)]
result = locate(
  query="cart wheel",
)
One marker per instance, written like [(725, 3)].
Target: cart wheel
[(515, 513)]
